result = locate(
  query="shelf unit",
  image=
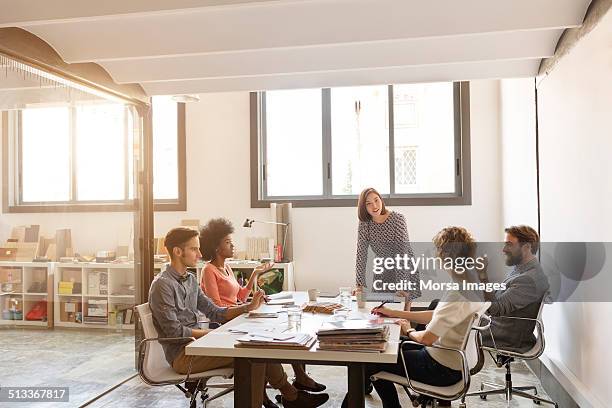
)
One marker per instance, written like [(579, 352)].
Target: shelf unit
[(23, 285), (106, 288)]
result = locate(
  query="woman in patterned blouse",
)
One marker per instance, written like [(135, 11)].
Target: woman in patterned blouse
[(385, 232)]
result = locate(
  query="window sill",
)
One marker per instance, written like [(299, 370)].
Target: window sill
[(352, 202), (97, 207)]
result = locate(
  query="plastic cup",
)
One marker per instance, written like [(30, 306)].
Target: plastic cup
[(341, 314), (294, 318)]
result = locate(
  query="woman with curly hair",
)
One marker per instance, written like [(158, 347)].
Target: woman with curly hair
[(448, 325), (218, 280), (220, 285)]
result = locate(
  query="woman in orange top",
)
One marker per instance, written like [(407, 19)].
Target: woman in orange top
[(221, 286)]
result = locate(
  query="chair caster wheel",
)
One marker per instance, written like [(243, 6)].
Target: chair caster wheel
[(462, 405), (537, 402), (483, 397)]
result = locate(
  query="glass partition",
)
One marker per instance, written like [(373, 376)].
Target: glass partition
[(70, 271)]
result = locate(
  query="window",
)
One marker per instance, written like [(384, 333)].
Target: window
[(80, 158), (322, 147)]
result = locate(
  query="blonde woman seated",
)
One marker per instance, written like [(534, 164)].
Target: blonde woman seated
[(448, 325), (220, 285)]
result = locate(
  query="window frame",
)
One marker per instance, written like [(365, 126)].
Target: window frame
[(463, 188), (12, 201)]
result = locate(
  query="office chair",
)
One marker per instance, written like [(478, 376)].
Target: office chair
[(154, 370), (506, 357), (472, 360)]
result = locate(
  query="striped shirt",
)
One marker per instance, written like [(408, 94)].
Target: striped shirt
[(387, 240)]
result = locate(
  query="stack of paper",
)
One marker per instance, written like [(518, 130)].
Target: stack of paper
[(353, 335), (291, 341), (282, 298)]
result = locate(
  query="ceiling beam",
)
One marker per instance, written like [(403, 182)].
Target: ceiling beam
[(430, 73), (516, 45), (300, 24), (24, 13)]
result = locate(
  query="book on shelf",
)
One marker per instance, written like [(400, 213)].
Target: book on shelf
[(125, 311), (97, 308), (128, 316), (97, 283), (95, 320)]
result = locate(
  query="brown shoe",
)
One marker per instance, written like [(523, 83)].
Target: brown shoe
[(306, 400)]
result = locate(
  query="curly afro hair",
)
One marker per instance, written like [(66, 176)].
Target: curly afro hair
[(211, 236)]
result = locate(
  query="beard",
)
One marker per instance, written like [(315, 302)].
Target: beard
[(187, 262), (512, 259)]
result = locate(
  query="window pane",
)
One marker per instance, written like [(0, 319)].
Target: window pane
[(45, 154), (360, 139), (424, 138), (100, 152), (294, 142), (165, 148)]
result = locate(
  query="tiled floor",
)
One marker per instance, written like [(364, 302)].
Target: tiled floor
[(90, 362)]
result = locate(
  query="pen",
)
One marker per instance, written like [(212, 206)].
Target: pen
[(382, 304)]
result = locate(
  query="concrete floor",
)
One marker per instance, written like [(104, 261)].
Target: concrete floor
[(89, 362), (138, 395)]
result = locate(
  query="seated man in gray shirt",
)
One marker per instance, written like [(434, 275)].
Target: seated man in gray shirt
[(175, 298), (526, 285)]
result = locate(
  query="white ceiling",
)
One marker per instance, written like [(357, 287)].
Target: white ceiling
[(193, 46)]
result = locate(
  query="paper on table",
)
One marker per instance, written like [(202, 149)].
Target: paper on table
[(280, 295), (252, 327)]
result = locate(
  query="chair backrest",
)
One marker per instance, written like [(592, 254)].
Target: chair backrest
[(473, 352), (154, 360), (538, 348)]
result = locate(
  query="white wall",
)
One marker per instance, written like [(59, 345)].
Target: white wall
[(518, 145), (324, 238), (575, 194)]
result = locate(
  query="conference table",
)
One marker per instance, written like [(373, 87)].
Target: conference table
[(220, 342)]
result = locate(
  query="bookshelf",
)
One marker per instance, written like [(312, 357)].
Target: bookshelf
[(24, 286), (93, 295)]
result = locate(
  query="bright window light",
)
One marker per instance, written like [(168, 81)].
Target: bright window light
[(360, 139), (424, 124), (165, 148), (293, 149), (100, 152), (45, 152)]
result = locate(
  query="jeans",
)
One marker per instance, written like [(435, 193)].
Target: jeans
[(421, 367)]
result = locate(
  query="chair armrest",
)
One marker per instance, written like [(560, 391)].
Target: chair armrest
[(163, 340), (464, 363), (486, 326)]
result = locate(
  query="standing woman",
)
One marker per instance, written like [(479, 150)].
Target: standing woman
[(386, 233)]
